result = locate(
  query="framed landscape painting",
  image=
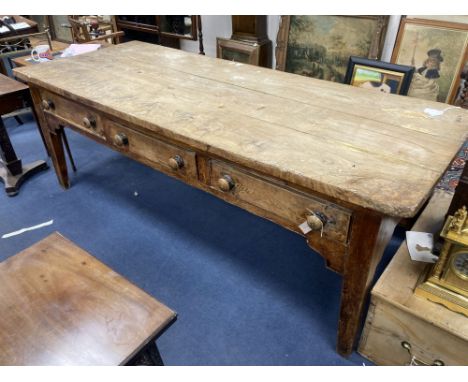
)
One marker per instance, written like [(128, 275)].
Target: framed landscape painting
[(438, 51), (378, 75), (320, 46)]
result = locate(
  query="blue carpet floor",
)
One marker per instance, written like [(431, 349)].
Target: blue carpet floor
[(247, 292)]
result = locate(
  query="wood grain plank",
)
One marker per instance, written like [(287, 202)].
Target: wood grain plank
[(275, 151), (387, 160), (351, 134), (325, 94)]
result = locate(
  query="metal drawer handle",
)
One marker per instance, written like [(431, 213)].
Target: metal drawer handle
[(120, 139), (89, 122), (176, 162), (47, 104), (416, 362), (226, 183)]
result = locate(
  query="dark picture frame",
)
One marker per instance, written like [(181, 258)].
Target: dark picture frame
[(176, 26), (379, 75)]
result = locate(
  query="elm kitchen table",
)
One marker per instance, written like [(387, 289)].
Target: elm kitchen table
[(337, 164)]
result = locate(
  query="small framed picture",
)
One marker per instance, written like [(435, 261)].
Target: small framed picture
[(238, 51), (379, 75)]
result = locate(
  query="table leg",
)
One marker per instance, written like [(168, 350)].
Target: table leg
[(370, 234), (148, 356), (57, 152), (51, 133), (67, 147), (30, 103)]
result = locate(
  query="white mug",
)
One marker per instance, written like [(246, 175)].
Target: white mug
[(41, 51)]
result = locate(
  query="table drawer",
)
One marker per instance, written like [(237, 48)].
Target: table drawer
[(280, 200), (162, 155), (73, 113)]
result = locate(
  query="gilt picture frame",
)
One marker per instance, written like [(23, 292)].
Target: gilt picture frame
[(438, 50), (379, 75), (320, 46)]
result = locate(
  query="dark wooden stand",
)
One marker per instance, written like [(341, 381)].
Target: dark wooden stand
[(148, 356), (12, 172), (249, 35)]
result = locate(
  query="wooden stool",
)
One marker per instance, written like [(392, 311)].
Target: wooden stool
[(12, 172), (61, 306)]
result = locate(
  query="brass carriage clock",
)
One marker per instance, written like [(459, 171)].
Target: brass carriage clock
[(447, 281)]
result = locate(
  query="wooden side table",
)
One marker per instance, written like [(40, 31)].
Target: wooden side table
[(12, 172), (61, 306)]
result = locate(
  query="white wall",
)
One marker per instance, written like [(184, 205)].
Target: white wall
[(390, 37), (212, 27), (273, 23), (221, 26)]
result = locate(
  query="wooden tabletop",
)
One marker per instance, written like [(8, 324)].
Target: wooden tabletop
[(9, 85), (61, 306), (380, 151), (57, 46)]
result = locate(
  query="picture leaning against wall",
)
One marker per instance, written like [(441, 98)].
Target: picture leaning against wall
[(437, 49)]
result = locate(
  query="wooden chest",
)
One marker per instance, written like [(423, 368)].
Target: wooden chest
[(402, 328)]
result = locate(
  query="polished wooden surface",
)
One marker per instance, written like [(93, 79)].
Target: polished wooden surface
[(10, 86), (284, 147), (61, 306)]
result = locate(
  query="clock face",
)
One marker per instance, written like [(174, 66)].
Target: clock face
[(460, 264)]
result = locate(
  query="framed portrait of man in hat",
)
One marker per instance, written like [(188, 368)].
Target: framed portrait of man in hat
[(438, 50)]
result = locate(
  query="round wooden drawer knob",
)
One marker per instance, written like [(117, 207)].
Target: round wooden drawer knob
[(89, 122), (226, 183), (314, 222), (176, 162), (120, 139), (47, 104)]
